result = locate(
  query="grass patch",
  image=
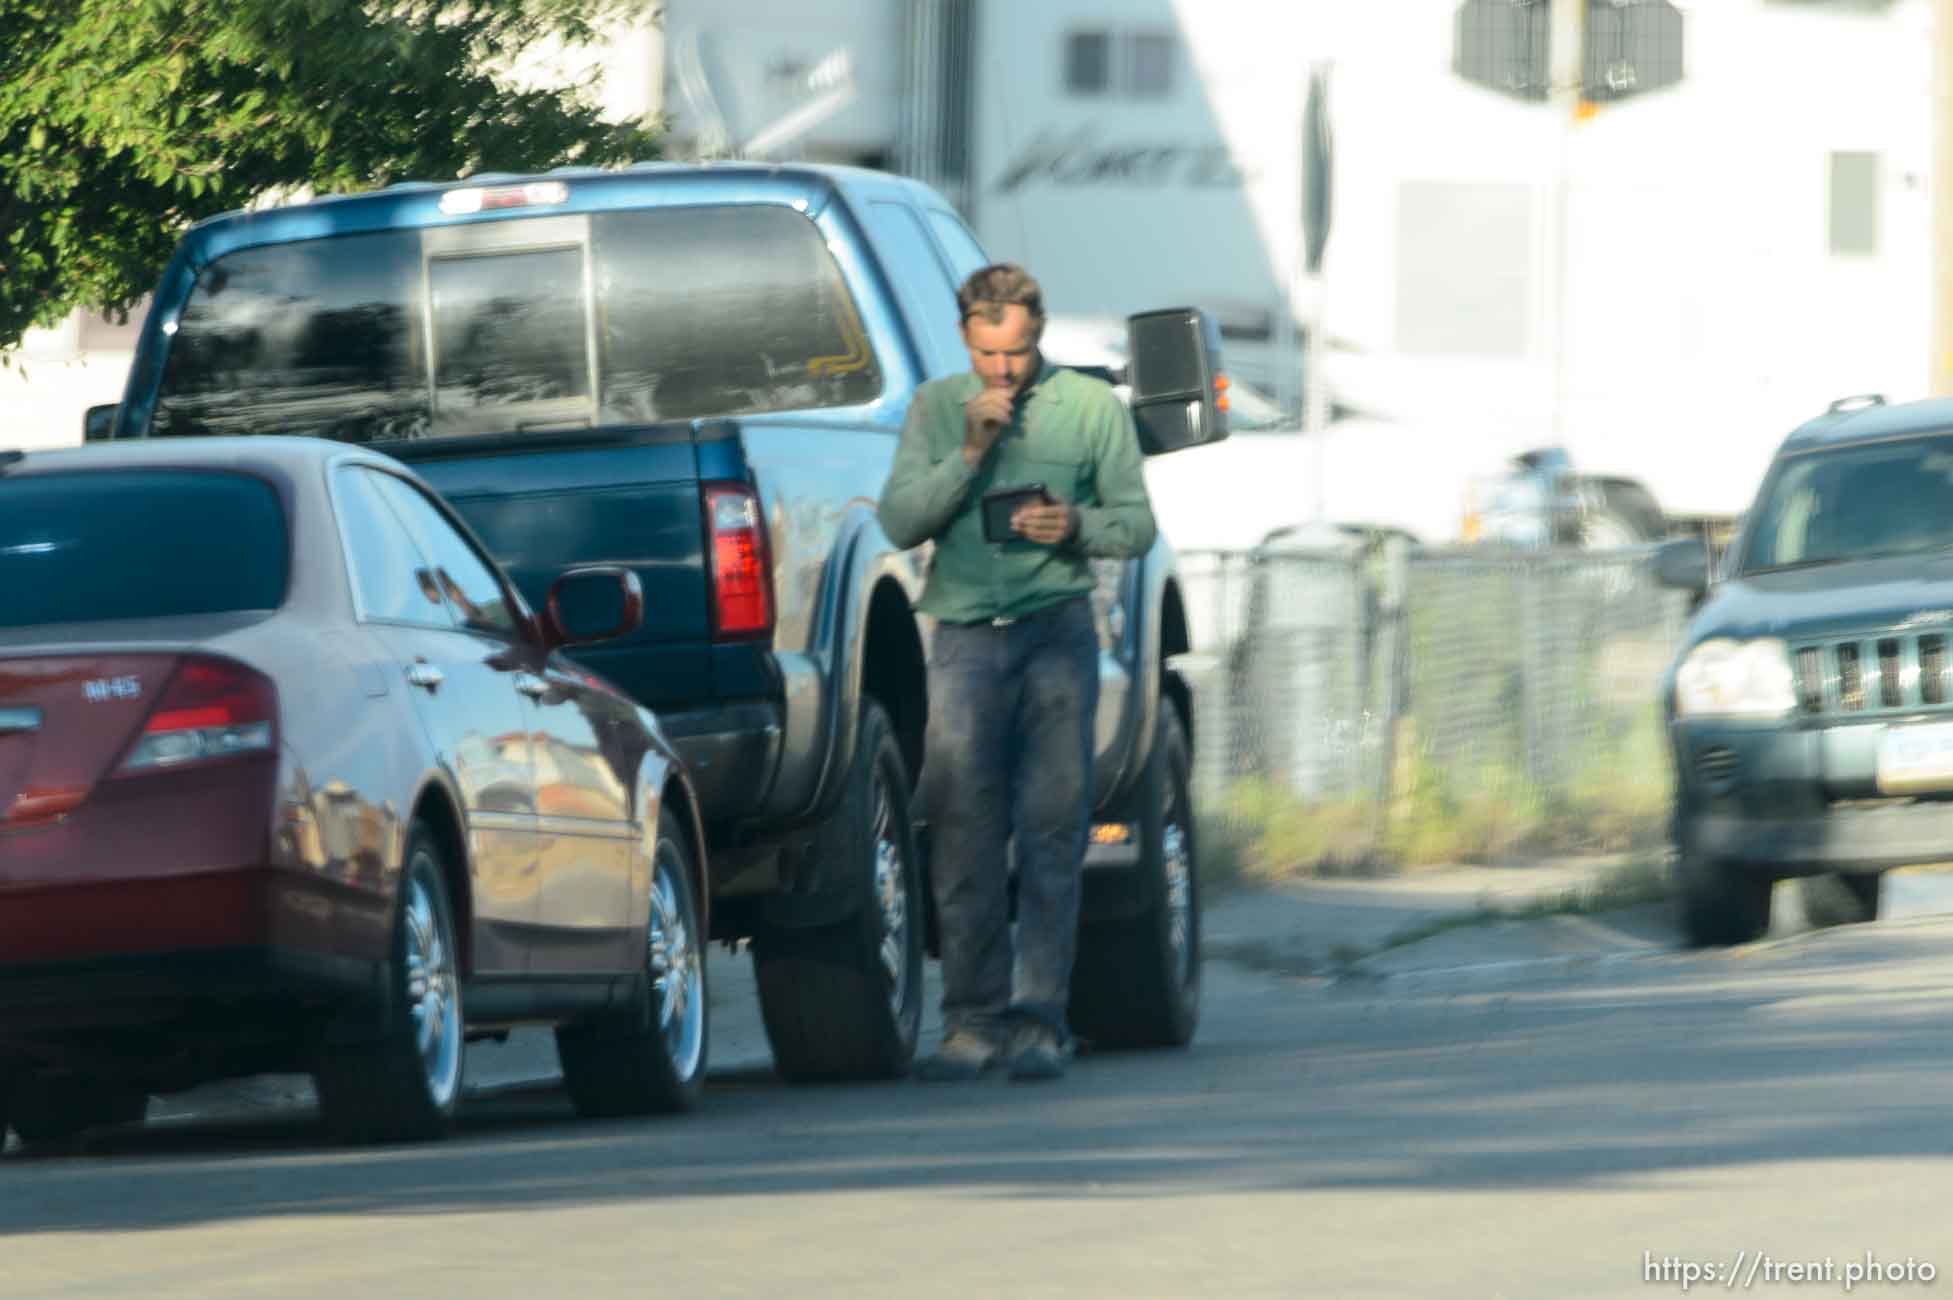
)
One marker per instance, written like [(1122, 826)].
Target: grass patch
[(1615, 800)]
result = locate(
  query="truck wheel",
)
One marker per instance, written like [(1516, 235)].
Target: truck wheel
[(650, 1059), (1136, 982), (401, 1080), (1718, 906), (844, 1001), (1840, 898)]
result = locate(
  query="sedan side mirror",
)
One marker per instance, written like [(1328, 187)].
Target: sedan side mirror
[(98, 424), (593, 602), (1179, 395), (1683, 563)]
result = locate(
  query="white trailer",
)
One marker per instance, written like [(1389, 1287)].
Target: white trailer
[(1662, 289)]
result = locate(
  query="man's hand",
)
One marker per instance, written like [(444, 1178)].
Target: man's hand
[(1045, 524), (985, 416)]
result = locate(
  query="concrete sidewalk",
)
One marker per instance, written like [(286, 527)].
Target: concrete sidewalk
[(1327, 927)]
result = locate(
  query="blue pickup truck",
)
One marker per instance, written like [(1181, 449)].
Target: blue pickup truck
[(699, 372)]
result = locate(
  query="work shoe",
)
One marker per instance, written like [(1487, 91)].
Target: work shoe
[(964, 1054), (1037, 1051)]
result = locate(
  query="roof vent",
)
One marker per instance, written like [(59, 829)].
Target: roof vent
[(1856, 402)]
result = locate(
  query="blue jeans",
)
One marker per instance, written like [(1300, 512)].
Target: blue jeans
[(1009, 753)]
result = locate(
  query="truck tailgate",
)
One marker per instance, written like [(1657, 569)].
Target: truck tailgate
[(634, 504)]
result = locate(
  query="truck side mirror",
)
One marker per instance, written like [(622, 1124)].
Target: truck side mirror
[(1179, 395), (1683, 563), (98, 425)]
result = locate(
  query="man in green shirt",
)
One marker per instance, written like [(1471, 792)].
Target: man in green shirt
[(1013, 667)]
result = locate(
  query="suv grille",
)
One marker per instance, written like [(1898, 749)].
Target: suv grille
[(1889, 672)]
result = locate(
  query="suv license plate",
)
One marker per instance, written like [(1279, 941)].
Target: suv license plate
[(1916, 758)]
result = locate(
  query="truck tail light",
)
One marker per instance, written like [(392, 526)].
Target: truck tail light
[(742, 571), (212, 708)]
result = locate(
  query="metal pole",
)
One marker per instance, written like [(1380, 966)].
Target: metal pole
[(1567, 38), (1940, 364), (1315, 389)]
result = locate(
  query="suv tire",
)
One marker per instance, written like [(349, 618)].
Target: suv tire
[(1718, 905), (1841, 898)]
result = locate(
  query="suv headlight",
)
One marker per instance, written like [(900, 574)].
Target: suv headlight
[(1722, 678)]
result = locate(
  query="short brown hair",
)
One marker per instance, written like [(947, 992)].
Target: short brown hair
[(997, 286)]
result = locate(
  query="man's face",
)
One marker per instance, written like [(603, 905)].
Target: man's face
[(1003, 353)]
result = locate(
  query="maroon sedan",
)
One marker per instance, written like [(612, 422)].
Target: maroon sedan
[(291, 779)]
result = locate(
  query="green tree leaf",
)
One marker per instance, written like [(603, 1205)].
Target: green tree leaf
[(122, 121)]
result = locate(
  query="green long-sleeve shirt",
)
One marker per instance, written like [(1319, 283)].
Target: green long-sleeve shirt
[(1069, 432)]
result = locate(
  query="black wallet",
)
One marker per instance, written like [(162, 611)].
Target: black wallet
[(999, 504)]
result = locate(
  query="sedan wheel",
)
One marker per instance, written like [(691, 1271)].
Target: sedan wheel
[(401, 1080), (651, 1058)]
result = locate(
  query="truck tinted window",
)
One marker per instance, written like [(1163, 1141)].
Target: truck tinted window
[(323, 337), (115, 544), (509, 331), (698, 311), (724, 311)]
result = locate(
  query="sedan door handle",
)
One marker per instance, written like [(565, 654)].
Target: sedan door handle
[(531, 685), (422, 673)]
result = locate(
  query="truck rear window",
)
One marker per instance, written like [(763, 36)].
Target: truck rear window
[(103, 545), (615, 318)]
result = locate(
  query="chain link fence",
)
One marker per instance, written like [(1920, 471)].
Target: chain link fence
[(1383, 703)]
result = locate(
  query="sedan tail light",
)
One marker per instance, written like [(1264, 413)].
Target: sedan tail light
[(211, 709)]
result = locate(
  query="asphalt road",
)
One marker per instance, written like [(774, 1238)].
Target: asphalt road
[(1520, 1128)]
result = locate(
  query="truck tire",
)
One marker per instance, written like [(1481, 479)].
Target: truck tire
[(400, 1080), (1136, 982), (650, 1058), (1718, 906), (1840, 898), (844, 1001)]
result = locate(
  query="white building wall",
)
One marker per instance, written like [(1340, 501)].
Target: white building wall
[(47, 386)]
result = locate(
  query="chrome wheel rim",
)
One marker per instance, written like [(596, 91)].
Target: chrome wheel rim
[(433, 989), (892, 899), (676, 965), (1176, 853)]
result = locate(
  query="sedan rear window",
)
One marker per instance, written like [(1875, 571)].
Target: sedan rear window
[(114, 544)]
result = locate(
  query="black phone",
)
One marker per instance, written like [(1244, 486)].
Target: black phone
[(999, 504)]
